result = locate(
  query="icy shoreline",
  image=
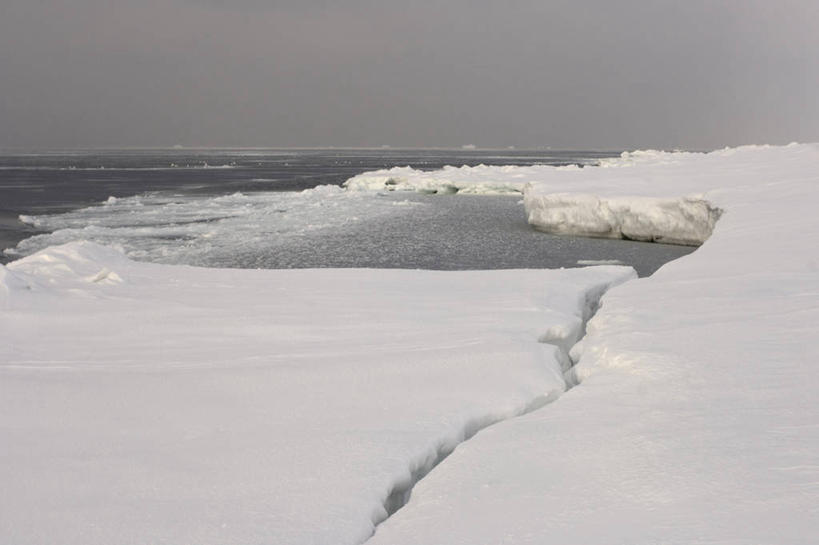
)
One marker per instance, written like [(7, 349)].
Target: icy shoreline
[(571, 200), (145, 402)]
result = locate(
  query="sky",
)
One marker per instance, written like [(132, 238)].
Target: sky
[(576, 74)]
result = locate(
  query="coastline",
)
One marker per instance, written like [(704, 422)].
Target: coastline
[(694, 412)]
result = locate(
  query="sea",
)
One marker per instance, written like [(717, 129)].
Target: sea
[(283, 208)]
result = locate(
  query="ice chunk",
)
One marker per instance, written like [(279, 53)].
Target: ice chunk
[(675, 221)]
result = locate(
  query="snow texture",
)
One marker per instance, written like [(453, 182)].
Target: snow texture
[(145, 403), (695, 420)]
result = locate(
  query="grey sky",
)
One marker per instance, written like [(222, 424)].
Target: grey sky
[(604, 74)]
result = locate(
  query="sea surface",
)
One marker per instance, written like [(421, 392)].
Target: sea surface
[(268, 209)]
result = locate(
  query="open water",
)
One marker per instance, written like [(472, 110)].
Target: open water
[(248, 208)]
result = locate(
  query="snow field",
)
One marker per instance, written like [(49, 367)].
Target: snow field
[(695, 419), (145, 403), (151, 403)]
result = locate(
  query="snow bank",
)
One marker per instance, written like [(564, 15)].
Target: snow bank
[(695, 420), (662, 203), (145, 403), (684, 220)]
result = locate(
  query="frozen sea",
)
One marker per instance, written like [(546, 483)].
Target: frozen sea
[(151, 403), (278, 209)]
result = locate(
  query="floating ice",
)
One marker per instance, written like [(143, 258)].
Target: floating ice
[(209, 231)]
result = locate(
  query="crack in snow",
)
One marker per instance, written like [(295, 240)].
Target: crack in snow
[(401, 491)]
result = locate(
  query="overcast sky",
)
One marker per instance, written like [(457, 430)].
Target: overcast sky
[(529, 73)]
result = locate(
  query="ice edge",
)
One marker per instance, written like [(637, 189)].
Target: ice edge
[(687, 220)]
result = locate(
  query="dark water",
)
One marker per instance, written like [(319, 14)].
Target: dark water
[(438, 232), (461, 232)]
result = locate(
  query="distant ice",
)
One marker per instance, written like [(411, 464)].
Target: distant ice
[(480, 179), (172, 166), (599, 262)]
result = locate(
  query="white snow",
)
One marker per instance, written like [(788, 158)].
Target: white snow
[(696, 418), (145, 403)]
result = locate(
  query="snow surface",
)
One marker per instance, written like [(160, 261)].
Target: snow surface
[(696, 418), (145, 403)]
